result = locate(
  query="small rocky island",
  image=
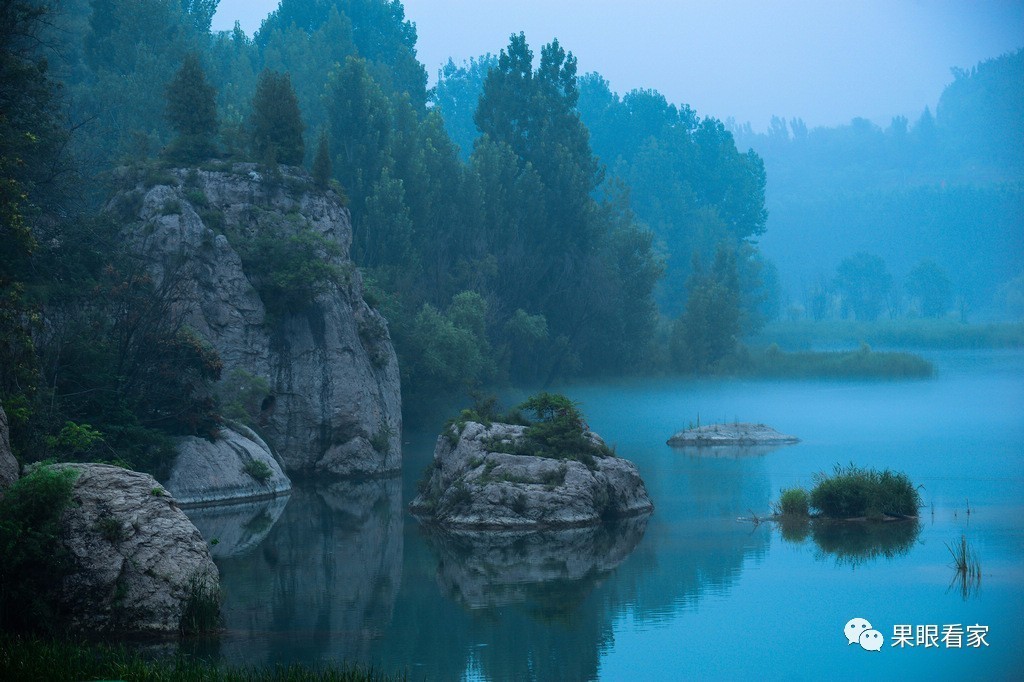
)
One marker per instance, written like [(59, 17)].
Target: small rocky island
[(552, 472), (735, 434)]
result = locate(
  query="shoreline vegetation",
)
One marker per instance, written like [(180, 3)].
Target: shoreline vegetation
[(863, 363), (920, 333), (31, 658)]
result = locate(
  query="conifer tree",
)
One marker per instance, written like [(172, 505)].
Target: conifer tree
[(276, 121), (192, 111), (322, 162)]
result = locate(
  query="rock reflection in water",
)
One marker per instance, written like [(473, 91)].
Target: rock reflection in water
[(853, 542), (323, 583), (236, 529), (728, 451), (492, 568), (534, 605)]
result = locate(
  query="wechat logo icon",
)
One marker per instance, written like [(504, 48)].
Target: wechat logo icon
[(859, 631)]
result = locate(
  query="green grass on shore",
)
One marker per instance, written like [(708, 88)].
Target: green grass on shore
[(38, 660), (863, 363), (920, 333)]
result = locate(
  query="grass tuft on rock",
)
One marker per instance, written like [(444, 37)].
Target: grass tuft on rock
[(258, 470)]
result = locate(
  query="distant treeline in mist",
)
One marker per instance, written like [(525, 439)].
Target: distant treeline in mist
[(947, 188)]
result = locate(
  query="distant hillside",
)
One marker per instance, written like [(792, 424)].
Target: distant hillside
[(949, 188)]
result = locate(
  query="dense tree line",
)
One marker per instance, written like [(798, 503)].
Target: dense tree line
[(520, 254)]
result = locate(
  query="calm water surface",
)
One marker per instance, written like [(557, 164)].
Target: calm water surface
[(342, 572)]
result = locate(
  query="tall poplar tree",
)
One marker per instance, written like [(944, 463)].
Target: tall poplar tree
[(276, 121), (192, 112)]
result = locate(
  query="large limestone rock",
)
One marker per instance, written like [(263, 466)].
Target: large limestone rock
[(472, 486), (238, 465), (138, 559), (334, 403), (8, 464)]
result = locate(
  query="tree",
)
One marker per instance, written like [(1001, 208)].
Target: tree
[(192, 111), (360, 130), (200, 12), (31, 142), (930, 285), (457, 94), (276, 121), (322, 162), (707, 330), (864, 283)]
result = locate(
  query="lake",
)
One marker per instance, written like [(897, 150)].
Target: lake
[(343, 572)]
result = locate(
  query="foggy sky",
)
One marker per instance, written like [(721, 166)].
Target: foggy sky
[(826, 62)]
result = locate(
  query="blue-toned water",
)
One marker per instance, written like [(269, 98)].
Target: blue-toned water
[(344, 573)]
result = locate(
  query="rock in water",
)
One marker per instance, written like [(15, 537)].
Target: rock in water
[(238, 465), (334, 403), (473, 486), (8, 464), (137, 558), (738, 433)]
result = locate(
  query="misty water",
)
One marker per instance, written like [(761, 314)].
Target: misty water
[(343, 572)]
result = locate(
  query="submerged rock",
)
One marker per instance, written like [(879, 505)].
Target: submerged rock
[(474, 486), (739, 433), (8, 464), (332, 402), (238, 465), (138, 560)]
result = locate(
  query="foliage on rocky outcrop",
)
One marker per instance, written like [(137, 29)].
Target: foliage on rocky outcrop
[(552, 472)]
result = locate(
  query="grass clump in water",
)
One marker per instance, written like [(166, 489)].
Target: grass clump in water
[(793, 502), (967, 566), (860, 492), (202, 610), (853, 492)]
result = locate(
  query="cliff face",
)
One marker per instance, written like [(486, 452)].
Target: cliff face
[(8, 464), (333, 403)]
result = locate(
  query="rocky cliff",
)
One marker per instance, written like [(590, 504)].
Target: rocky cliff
[(259, 267), (475, 485), (8, 464)]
